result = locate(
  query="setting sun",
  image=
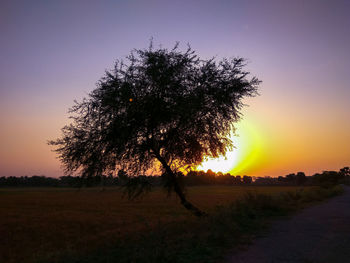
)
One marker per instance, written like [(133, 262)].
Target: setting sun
[(247, 143), (226, 163)]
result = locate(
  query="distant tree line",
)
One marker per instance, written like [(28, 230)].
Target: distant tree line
[(193, 178), (325, 178), (63, 181)]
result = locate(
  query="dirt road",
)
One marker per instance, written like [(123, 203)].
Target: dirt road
[(318, 234)]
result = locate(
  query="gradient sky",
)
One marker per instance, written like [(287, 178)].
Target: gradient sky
[(52, 52)]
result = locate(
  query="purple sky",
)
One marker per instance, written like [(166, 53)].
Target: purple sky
[(52, 52)]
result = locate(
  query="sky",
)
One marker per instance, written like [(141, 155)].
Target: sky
[(53, 52)]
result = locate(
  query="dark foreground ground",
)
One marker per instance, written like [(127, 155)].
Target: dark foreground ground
[(318, 234), (46, 223)]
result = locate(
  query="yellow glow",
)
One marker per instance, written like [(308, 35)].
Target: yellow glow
[(222, 163), (248, 145)]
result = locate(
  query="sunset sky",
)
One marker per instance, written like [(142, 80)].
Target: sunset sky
[(52, 52)]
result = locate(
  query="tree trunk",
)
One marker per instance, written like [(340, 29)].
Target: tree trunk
[(196, 211)]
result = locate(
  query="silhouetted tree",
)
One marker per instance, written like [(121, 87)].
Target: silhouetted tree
[(281, 179), (247, 179), (266, 180), (291, 178), (327, 178), (238, 179), (163, 108), (300, 178), (345, 171)]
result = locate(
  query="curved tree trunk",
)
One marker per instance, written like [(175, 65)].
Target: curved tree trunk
[(196, 211)]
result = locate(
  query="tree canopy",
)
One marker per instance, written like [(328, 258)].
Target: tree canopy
[(164, 109)]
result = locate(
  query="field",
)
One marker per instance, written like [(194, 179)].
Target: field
[(44, 223)]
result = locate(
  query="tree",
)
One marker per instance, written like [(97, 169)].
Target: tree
[(327, 178), (247, 179), (300, 178), (345, 171), (291, 178), (162, 108)]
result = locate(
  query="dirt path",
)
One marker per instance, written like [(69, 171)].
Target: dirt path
[(318, 234)]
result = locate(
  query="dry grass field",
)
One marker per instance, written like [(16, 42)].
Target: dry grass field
[(43, 222)]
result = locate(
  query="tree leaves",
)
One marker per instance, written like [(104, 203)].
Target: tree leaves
[(166, 103)]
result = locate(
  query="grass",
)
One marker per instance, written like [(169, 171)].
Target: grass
[(66, 225)]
